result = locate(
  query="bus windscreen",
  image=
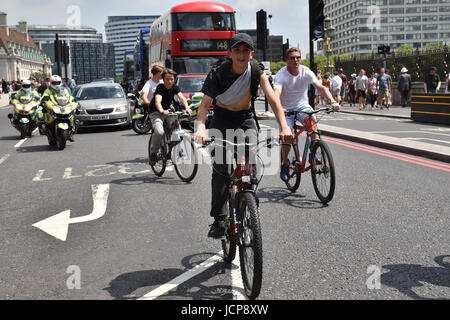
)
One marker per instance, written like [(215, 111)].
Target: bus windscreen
[(203, 21)]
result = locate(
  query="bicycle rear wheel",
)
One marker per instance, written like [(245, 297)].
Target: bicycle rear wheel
[(322, 171), (161, 159), (185, 159), (230, 241), (294, 174), (250, 245)]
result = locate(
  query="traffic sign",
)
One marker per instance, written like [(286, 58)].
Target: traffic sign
[(318, 32)]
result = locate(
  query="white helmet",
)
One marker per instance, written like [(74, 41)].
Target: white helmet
[(26, 86), (55, 82)]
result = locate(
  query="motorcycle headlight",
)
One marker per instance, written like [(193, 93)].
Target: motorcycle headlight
[(121, 109), (56, 109)]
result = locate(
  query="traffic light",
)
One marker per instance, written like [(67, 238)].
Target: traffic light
[(261, 29), (384, 49), (316, 15), (58, 45)]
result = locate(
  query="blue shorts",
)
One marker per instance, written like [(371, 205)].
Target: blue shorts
[(299, 116)]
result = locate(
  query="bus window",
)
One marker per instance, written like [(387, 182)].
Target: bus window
[(200, 21)]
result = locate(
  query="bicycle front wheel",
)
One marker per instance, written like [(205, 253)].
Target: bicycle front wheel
[(185, 159), (250, 245), (229, 242), (322, 171), (294, 170), (161, 159)]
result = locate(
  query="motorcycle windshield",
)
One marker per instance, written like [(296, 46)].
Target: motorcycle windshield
[(25, 99)]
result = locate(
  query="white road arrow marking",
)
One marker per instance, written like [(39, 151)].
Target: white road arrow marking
[(58, 225)]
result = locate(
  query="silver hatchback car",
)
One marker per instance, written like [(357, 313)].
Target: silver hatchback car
[(103, 104)]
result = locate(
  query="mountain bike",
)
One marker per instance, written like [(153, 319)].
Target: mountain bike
[(243, 227), (177, 147), (320, 159)]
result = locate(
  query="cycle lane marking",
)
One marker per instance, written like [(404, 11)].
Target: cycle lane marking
[(3, 159), (388, 154), (161, 290), (236, 279), (23, 140)]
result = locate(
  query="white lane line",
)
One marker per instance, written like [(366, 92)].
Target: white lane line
[(183, 278), (236, 279), (3, 159), (20, 143)]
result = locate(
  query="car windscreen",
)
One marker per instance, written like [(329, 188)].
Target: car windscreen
[(191, 84), (101, 93)]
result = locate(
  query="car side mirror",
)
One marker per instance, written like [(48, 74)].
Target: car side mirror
[(76, 99)]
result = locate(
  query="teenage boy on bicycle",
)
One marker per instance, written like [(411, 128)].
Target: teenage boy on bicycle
[(228, 86), (291, 85)]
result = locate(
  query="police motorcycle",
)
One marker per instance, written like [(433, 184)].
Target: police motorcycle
[(26, 110), (59, 108), (194, 103), (140, 122)]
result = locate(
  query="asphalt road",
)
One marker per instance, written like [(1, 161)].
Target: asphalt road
[(389, 217)]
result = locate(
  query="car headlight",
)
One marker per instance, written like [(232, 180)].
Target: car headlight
[(121, 109)]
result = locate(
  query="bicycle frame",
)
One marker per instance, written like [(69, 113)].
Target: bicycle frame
[(310, 128)]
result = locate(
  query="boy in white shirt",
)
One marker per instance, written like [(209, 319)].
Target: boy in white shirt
[(148, 91)]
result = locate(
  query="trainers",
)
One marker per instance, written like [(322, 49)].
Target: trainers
[(217, 229), (153, 159), (284, 172)]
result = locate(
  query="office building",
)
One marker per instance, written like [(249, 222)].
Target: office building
[(363, 25), (122, 32)]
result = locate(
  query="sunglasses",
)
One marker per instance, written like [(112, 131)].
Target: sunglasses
[(295, 58), (56, 83)]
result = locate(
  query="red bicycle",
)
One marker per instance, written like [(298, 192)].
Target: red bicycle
[(320, 159)]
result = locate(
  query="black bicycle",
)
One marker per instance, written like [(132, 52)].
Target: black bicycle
[(176, 146)]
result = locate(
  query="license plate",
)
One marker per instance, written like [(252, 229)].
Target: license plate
[(99, 117)]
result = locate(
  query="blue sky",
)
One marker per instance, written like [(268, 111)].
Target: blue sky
[(290, 17)]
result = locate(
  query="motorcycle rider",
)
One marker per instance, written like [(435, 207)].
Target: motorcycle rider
[(27, 89), (56, 89)]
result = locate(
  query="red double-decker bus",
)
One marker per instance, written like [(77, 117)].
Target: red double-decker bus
[(190, 37)]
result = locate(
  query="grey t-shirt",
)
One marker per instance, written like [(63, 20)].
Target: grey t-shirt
[(361, 82)]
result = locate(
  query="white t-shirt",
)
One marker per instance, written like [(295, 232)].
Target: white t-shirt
[(336, 82), (150, 87), (294, 89)]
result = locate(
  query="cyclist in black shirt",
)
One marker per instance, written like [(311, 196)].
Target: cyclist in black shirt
[(161, 102), (229, 86)]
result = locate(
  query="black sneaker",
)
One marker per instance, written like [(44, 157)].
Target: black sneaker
[(217, 229), (153, 159)]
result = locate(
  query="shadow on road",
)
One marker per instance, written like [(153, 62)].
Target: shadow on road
[(86, 130), (41, 148), (124, 286), (284, 196), (405, 277), (11, 138), (137, 180)]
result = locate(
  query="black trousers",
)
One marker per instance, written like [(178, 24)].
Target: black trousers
[(221, 174)]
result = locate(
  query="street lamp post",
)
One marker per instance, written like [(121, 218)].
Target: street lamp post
[(329, 36)]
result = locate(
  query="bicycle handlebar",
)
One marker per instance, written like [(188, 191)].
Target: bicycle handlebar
[(310, 113)]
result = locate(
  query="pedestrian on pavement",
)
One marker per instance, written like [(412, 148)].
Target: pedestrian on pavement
[(447, 83), (352, 90), (344, 87), (432, 82), (317, 93), (404, 86), (4, 86), (362, 83), (326, 82), (389, 93), (373, 93), (384, 83), (336, 85), (73, 82)]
